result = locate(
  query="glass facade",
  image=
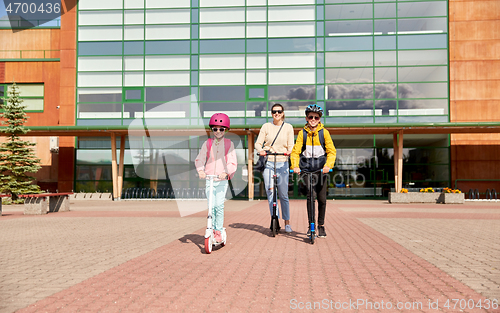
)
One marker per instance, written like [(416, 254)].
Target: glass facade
[(178, 62)]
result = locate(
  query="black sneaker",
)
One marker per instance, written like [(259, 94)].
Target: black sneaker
[(321, 232)]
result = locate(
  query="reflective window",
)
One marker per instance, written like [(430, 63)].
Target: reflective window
[(256, 45), (385, 74), (349, 43), (99, 48), (428, 73), (385, 91), (349, 11), (165, 94), (385, 27), (99, 95), (347, 59), (424, 106), (417, 9), (350, 108), (130, 110), (133, 47), (349, 75), (222, 93), (168, 47), (223, 46), (291, 45), (385, 58), (422, 26), (423, 57), (357, 91), (291, 92), (386, 105), (258, 108), (384, 10), (385, 42), (232, 109), (423, 90), (349, 28)]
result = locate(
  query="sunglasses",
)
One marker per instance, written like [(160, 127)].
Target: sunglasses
[(317, 118), (277, 111), (215, 129)]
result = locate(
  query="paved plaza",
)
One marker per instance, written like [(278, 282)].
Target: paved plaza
[(141, 256)]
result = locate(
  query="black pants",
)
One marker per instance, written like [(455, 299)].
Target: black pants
[(320, 187)]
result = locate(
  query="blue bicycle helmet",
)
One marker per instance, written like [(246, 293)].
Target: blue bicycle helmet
[(315, 109)]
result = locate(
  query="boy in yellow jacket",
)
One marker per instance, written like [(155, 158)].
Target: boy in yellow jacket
[(314, 152)]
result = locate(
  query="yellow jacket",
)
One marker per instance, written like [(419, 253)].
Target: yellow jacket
[(331, 152)]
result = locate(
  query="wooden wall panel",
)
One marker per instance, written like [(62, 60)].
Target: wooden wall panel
[(474, 88), (30, 39), (38, 72), (476, 110)]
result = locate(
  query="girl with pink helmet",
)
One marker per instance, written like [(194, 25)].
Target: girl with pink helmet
[(217, 157)]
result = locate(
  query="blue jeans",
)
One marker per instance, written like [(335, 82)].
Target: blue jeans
[(218, 198), (282, 172)]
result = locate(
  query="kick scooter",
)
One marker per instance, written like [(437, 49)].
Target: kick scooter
[(209, 232), (312, 221), (274, 219)]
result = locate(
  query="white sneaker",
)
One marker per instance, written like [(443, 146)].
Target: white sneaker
[(288, 228)]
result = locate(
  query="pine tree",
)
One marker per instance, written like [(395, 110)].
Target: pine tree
[(17, 158)]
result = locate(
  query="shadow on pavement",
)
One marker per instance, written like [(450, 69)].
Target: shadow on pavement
[(266, 231), (198, 240)]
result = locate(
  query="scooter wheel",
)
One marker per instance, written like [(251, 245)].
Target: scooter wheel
[(274, 227), (208, 245), (313, 235)]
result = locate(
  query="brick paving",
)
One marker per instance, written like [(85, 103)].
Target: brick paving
[(143, 257)]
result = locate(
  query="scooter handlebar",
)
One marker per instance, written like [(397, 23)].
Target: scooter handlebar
[(331, 170), (273, 153)]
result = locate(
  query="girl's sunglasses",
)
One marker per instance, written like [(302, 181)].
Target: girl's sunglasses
[(277, 111), (313, 117), (222, 129)]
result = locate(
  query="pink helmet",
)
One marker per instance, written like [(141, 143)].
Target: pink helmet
[(220, 119)]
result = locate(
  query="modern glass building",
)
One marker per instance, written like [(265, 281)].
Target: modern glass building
[(163, 64), (383, 62)]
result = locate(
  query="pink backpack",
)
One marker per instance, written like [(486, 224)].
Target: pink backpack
[(227, 146)]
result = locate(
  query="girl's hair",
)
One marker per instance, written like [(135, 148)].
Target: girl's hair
[(282, 108)]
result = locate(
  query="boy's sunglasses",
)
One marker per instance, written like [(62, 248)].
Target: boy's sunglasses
[(313, 117), (277, 111), (222, 129)]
